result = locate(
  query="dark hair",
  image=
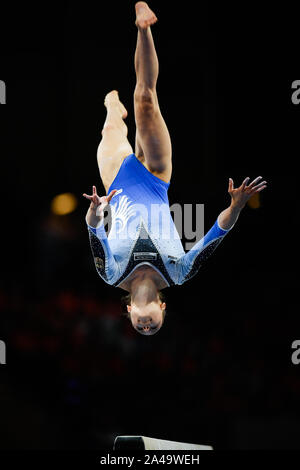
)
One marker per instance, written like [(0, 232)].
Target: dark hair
[(126, 300)]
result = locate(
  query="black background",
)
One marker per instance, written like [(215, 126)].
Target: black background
[(220, 370)]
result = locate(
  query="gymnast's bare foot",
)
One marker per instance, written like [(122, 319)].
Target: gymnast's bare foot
[(144, 16), (112, 99)]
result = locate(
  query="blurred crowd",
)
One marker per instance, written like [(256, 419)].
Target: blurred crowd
[(75, 351)]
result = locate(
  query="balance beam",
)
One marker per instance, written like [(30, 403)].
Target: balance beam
[(149, 443)]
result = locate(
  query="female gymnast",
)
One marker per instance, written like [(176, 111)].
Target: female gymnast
[(143, 252)]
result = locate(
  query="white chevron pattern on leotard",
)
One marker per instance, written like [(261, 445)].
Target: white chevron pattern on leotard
[(121, 213)]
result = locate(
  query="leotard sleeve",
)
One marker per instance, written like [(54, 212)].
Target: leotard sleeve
[(105, 263), (190, 263)]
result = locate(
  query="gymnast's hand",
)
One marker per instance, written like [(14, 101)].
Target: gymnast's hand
[(241, 195), (98, 204)]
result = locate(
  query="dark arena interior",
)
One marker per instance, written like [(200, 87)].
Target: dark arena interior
[(224, 369)]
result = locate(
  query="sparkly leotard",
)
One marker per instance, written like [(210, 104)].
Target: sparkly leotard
[(143, 232)]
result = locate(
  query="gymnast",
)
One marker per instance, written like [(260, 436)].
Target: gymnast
[(143, 254)]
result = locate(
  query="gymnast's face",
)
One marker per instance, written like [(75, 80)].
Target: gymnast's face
[(147, 319)]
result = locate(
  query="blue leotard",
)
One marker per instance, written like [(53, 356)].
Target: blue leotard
[(143, 231)]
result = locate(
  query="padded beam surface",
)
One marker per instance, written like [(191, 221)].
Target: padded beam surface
[(149, 443)]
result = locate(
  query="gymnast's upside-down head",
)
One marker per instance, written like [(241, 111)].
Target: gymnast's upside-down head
[(146, 313)]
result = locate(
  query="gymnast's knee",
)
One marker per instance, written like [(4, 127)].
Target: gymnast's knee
[(145, 98), (112, 130), (107, 128)]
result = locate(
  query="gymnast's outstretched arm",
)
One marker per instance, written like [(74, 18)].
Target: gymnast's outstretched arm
[(105, 263), (189, 264)]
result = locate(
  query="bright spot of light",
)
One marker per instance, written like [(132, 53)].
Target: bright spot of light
[(63, 204), (254, 201)]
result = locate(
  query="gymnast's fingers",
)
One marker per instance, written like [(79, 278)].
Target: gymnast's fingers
[(255, 188), (260, 189), (251, 185), (111, 194), (243, 185)]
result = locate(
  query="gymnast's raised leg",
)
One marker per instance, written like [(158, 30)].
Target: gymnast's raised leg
[(153, 144), (114, 146)]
